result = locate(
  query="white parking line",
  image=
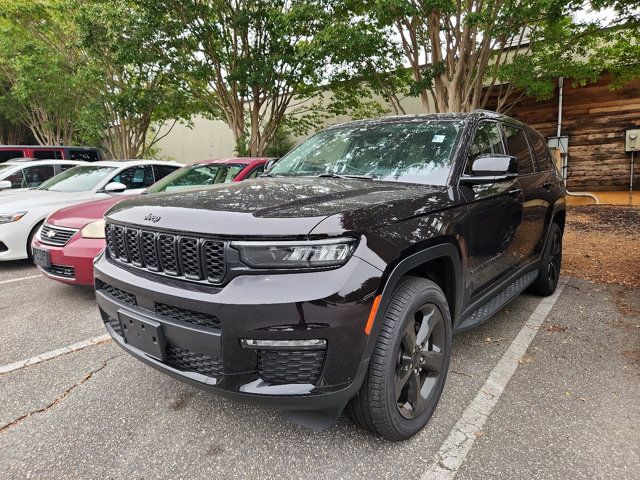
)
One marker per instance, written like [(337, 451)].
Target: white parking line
[(43, 357), (455, 448), (20, 279)]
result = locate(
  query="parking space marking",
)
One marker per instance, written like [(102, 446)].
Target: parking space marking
[(43, 357), (455, 448), (20, 279)]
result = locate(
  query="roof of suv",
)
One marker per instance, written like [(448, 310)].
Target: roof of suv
[(243, 160), (131, 163)]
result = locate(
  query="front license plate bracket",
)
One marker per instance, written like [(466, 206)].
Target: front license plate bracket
[(143, 333)]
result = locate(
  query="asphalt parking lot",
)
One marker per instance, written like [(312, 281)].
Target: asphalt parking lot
[(569, 409)]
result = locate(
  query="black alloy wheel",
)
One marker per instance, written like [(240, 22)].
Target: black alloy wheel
[(409, 363), (550, 264), (420, 361)]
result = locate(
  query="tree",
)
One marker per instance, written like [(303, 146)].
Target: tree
[(138, 98), (455, 48), (261, 63), (46, 83)]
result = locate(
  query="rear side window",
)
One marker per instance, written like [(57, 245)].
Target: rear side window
[(47, 154), (9, 154), (543, 158), (486, 141), (84, 155), (518, 146), (162, 171)]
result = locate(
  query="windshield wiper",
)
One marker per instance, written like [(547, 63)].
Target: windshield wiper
[(345, 175)]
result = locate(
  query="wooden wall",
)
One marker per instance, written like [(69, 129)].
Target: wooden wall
[(595, 119)]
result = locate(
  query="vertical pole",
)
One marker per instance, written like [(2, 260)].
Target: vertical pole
[(631, 178)]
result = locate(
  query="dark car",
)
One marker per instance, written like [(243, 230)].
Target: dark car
[(338, 280)]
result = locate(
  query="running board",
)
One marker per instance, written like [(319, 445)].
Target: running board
[(497, 301)]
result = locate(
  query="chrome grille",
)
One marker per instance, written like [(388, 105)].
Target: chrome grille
[(57, 236), (189, 257)]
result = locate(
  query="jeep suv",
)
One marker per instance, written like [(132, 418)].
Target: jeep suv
[(337, 279)]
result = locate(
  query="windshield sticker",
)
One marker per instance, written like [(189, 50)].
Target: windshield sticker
[(438, 139)]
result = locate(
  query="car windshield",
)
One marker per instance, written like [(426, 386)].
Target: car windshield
[(197, 176), (77, 179), (5, 169), (415, 152)]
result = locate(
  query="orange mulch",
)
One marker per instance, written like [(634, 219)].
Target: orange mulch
[(602, 244)]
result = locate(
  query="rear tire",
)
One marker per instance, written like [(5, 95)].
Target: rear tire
[(409, 364), (549, 274)]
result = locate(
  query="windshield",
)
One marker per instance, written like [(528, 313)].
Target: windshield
[(197, 176), (399, 151), (77, 179)]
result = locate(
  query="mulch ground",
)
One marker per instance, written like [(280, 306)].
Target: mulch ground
[(602, 244)]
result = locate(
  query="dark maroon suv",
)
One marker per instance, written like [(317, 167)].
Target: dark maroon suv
[(338, 278)]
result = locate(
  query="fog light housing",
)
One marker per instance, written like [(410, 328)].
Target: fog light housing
[(313, 344)]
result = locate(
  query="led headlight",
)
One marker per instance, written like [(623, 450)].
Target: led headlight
[(94, 229), (11, 217), (296, 254)]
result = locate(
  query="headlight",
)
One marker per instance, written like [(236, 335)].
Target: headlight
[(94, 229), (296, 254), (11, 217)]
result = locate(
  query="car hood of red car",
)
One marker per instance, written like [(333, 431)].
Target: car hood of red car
[(77, 216)]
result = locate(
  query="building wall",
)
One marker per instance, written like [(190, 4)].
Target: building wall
[(595, 119)]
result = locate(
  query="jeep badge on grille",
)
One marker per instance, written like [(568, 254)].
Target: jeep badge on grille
[(152, 218)]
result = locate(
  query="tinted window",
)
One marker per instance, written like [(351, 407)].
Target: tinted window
[(84, 155), (47, 154), (259, 170), (518, 147), (415, 152), (197, 176), (16, 179), (135, 177), (543, 158), (35, 175), (78, 179), (9, 154), (486, 141), (162, 171)]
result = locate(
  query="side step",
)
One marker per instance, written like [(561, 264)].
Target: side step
[(497, 301)]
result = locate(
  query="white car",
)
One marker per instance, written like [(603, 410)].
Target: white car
[(18, 175), (22, 214)]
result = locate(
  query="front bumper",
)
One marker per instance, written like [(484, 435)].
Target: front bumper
[(73, 263), (205, 325), (13, 239)]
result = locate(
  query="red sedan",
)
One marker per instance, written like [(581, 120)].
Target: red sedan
[(78, 231)]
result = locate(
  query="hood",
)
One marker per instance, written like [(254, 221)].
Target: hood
[(35, 199), (281, 206), (77, 216)]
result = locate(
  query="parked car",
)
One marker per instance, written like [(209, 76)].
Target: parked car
[(85, 154), (19, 175), (340, 278), (22, 214), (70, 259)]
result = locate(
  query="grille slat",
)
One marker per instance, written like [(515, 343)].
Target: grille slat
[(61, 271), (115, 292), (56, 236), (188, 257)]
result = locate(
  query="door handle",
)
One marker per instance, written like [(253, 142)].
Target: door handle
[(515, 192)]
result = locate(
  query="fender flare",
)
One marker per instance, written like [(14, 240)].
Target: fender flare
[(445, 250), (557, 208)]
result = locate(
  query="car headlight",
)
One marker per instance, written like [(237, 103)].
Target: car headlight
[(11, 217), (296, 254), (94, 229)]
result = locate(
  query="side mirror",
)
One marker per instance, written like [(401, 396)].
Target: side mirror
[(5, 184), (491, 168), (115, 187), (270, 164)]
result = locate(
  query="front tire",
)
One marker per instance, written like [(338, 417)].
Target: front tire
[(409, 364)]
